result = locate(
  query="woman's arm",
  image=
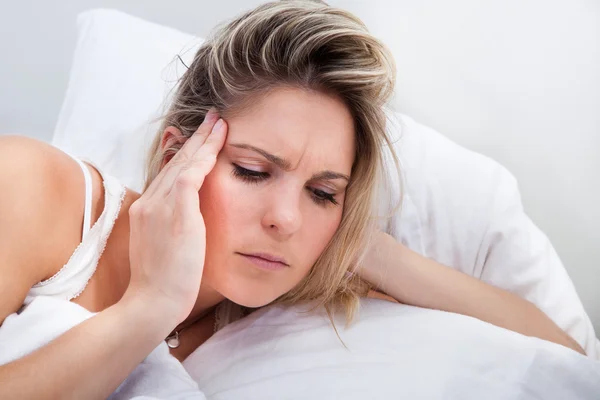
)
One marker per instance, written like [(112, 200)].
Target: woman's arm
[(92, 359), (419, 281), (39, 211)]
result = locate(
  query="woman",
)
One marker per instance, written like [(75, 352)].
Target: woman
[(259, 190)]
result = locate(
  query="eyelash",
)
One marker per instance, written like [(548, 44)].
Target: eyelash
[(253, 177)]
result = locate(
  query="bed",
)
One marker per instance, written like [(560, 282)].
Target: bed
[(392, 351)]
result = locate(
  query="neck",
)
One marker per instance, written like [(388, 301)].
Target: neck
[(207, 299)]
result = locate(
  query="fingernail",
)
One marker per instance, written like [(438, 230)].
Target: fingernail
[(211, 114), (218, 125)]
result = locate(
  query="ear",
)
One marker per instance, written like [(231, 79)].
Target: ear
[(171, 138)]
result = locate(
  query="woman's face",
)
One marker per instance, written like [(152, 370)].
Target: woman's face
[(276, 193)]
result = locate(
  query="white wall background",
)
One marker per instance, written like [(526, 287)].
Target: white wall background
[(517, 80)]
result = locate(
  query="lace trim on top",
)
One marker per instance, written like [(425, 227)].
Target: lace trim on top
[(70, 281), (103, 241), (226, 313)]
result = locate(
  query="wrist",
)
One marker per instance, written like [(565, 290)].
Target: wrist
[(149, 310)]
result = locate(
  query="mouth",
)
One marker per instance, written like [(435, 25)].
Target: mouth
[(266, 261)]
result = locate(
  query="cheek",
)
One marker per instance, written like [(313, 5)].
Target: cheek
[(215, 199), (320, 228), (211, 200), (227, 210)]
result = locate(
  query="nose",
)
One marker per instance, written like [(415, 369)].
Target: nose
[(282, 214)]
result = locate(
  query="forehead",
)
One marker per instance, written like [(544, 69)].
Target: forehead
[(307, 128)]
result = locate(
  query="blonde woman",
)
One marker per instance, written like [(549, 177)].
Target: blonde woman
[(260, 189)]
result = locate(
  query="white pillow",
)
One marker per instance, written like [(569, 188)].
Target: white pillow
[(123, 69), (460, 208), (464, 210), (393, 352)]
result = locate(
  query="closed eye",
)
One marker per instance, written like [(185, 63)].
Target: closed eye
[(248, 175), (320, 197)]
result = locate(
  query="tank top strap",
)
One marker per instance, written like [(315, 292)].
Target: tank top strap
[(87, 212)]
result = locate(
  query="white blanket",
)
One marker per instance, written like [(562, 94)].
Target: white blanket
[(394, 352)]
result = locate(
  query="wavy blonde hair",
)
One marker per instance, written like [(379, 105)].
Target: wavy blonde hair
[(312, 46)]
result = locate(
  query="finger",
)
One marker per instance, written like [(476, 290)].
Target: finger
[(164, 178), (198, 138), (192, 175), (202, 158), (184, 197), (214, 142)]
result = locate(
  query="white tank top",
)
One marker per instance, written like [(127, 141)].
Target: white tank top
[(71, 280)]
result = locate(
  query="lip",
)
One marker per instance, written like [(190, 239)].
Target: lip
[(266, 261)]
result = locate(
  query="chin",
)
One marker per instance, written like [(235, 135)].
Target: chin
[(245, 295), (250, 304), (250, 301)]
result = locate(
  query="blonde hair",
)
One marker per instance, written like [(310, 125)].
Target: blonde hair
[(312, 46)]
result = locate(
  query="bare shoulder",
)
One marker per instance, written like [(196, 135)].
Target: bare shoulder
[(37, 180), (41, 209)]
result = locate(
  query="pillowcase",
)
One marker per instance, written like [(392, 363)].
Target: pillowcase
[(464, 210), (459, 207), (123, 70), (391, 352)]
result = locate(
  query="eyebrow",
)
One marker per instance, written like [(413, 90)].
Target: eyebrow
[(286, 165)]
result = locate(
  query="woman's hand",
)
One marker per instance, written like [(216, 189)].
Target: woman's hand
[(167, 234), (413, 279)]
